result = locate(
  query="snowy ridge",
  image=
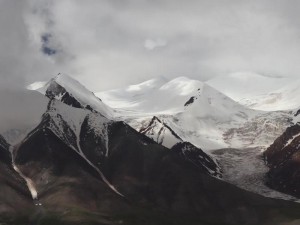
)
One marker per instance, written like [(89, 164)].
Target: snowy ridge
[(156, 129), (158, 98), (160, 133), (197, 113), (63, 87), (259, 92), (69, 106), (66, 123)]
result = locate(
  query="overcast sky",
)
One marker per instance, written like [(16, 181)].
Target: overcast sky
[(108, 44), (111, 43)]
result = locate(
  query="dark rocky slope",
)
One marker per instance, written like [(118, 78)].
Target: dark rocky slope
[(89, 169), (15, 199), (283, 158), (157, 186)]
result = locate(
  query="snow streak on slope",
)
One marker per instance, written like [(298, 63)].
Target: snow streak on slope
[(29, 182), (69, 106), (259, 92), (66, 123)]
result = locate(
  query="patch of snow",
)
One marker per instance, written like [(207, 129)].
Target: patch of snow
[(29, 182), (36, 85)]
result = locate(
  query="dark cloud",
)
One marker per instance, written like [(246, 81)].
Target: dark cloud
[(46, 45)]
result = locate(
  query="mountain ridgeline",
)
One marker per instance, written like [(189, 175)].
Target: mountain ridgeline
[(82, 165)]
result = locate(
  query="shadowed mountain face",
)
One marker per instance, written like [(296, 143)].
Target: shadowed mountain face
[(88, 168), (151, 179), (161, 133), (15, 199), (283, 158)]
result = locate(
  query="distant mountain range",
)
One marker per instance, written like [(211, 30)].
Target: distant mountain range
[(159, 152)]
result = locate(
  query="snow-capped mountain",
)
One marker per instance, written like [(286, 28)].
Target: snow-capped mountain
[(63, 87), (259, 92), (72, 108), (197, 113), (206, 118), (80, 155)]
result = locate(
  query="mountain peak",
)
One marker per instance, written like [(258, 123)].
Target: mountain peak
[(69, 91)]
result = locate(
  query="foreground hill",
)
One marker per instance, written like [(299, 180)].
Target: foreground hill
[(15, 199)]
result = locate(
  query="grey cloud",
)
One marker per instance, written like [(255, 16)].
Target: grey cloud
[(102, 42)]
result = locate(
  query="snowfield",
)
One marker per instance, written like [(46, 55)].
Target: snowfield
[(226, 126), (196, 112), (259, 92)]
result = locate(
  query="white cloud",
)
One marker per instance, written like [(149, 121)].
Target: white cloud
[(151, 44), (102, 43)]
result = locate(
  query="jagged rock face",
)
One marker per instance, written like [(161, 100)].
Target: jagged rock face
[(148, 175), (61, 176), (56, 91), (161, 133), (198, 158), (283, 158), (69, 91)]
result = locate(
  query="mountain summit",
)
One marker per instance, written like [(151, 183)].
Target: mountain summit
[(85, 165)]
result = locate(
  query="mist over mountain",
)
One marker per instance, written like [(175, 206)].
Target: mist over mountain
[(149, 112)]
